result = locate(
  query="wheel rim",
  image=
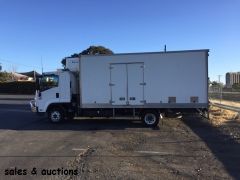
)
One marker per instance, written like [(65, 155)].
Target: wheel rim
[(55, 116), (150, 119)]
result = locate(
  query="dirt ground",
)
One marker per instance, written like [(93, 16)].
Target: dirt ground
[(181, 148)]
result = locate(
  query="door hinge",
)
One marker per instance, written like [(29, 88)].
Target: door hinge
[(143, 84), (111, 84)]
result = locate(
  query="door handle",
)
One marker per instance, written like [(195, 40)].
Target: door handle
[(57, 95), (122, 98), (132, 98)]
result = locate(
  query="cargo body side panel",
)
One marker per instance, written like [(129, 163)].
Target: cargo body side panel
[(181, 75)]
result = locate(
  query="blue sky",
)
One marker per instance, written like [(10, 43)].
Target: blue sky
[(53, 29)]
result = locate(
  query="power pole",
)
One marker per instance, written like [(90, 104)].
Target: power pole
[(42, 64), (34, 75), (220, 88)]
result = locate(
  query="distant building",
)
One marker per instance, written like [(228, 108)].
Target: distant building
[(0, 67), (25, 76), (20, 77), (232, 78), (32, 74)]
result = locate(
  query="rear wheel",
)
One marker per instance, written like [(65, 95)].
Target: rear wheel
[(55, 115), (150, 118)]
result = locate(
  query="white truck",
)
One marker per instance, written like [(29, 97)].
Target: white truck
[(144, 85)]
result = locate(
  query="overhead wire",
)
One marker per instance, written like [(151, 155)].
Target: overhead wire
[(20, 64)]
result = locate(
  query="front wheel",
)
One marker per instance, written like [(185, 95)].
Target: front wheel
[(150, 118), (55, 115)]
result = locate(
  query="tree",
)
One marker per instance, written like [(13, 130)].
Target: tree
[(215, 83), (4, 76), (236, 86), (92, 50)]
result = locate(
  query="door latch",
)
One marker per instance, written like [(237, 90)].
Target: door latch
[(122, 98), (132, 98)]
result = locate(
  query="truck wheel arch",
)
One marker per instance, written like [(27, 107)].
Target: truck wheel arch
[(55, 105)]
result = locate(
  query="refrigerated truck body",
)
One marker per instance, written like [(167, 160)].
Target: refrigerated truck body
[(143, 85)]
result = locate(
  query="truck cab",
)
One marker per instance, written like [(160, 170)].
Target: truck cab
[(54, 90)]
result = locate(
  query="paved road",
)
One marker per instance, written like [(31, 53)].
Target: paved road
[(29, 141), (15, 97), (109, 149)]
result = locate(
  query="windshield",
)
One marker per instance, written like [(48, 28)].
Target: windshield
[(48, 81)]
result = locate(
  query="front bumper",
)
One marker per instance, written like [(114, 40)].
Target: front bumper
[(33, 105)]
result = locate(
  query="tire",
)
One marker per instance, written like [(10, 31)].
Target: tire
[(55, 115), (150, 118)]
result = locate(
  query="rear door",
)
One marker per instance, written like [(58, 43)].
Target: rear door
[(127, 83), (118, 84), (135, 74)]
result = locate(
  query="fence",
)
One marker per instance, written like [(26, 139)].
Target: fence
[(229, 96), (17, 87)]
